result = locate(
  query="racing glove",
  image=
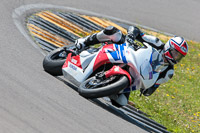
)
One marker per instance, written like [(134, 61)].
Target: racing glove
[(79, 44), (132, 34)]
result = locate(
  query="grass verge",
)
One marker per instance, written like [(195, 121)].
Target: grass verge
[(176, 104)]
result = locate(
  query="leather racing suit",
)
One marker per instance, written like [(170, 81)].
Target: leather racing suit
[(112, 34)]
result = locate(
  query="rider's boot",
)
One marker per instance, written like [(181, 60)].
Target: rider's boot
[(109, 34)]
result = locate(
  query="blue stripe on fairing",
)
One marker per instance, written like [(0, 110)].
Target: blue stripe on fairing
[(119, 51), (115, 54), (123, 52)]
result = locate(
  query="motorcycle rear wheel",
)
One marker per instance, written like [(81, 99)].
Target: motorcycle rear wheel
[(53, 61), (91, 89)]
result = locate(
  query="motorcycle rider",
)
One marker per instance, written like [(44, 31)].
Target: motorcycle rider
[(171, 53)]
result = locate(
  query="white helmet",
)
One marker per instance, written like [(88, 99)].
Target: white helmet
[(175, 49)]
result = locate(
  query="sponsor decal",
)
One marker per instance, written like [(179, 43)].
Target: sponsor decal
[(74, 61), (73, 67)]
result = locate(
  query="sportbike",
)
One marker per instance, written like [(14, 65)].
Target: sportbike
[(104, 71)]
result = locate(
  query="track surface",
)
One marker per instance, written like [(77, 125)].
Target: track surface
[(31, 101)]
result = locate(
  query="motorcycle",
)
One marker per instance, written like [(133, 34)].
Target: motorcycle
[(104, 71)]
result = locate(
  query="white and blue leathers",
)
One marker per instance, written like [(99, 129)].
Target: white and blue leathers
[(163, 71)]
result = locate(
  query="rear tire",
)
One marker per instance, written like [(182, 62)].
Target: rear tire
[(52, 63), (88, 91)]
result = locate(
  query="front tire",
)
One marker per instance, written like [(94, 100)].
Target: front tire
[(92, 89), (53, 62)]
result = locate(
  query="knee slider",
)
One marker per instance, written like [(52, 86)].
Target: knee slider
[(110, 30)]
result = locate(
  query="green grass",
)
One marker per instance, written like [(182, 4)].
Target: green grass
[(176, 104)]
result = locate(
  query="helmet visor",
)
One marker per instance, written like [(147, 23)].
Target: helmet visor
[(177, 56)]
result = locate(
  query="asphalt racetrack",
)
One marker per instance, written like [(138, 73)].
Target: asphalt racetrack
[(32, 101)]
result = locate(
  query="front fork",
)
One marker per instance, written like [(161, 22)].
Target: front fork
[(115, 70)]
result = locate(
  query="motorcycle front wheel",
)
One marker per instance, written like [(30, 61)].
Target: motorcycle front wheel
[(54, 61), (95, 88)]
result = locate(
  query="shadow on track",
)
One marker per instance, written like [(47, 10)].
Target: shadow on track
[(112, 109)]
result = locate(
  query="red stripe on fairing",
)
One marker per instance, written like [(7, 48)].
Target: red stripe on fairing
[(102, 57), (76, 61), (116, 70), (67, 60)]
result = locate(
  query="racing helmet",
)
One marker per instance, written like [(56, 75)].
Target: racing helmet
[(175, 49)]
